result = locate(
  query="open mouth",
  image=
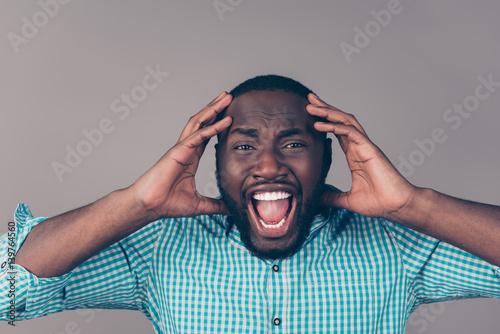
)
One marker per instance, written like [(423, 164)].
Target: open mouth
[(271, 212)]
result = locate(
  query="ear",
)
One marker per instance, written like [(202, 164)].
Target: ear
[(327, 155), (328, 145), (216, 146)]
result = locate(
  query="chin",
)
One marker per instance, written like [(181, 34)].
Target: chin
[(272, 248), (277, 248), (274, 220)]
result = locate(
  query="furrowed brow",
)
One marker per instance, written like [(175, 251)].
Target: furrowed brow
[(244, 131)]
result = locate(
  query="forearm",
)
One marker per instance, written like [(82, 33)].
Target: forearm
[(473, 227), (59, 244)]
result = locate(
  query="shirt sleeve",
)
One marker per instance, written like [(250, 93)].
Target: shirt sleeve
[(114, 278), (439, 271)]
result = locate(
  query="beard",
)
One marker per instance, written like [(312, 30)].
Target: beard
[(305, 215)]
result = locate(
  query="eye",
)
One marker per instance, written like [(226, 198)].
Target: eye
[(243, 148), (294, 145)]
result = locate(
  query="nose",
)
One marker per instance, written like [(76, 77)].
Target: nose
[(269, 167)]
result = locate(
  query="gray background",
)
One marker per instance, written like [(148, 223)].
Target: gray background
[(64, 79)]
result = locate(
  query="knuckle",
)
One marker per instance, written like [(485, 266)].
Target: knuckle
[(204, 136), (216, 110)]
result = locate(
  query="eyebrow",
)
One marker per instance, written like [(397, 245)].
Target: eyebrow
[(290, 132)]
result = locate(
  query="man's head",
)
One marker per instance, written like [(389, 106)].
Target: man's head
[(272, 165)]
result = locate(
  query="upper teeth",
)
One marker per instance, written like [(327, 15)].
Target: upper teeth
[(271, 196)]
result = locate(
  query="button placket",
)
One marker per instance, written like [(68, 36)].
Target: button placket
[(277, 282)]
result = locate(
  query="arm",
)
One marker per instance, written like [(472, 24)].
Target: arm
[(116, 277), (379, 190), (473, 227), (57, 245)]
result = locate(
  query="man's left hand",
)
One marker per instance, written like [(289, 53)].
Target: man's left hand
[(378, 189)]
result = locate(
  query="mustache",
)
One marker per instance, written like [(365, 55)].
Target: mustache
[(288, 183)]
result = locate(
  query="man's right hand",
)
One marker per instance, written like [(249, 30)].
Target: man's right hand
[(59, 244), (168, 189)]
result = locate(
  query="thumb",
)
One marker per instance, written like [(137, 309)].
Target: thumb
[(335, 198), (210, 206)]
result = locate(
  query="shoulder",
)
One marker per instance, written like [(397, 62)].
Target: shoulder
[(202, 225)]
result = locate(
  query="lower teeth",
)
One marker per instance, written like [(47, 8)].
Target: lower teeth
[(266, 225)]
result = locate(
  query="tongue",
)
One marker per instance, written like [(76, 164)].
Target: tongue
[(272, 211)]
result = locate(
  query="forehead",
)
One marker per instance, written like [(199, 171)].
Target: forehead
[(271, 110)]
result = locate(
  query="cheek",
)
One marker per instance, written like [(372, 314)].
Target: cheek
[(232, 174), (308, 171)]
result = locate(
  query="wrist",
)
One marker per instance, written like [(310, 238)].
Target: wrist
[(135, 208), (417, 208)]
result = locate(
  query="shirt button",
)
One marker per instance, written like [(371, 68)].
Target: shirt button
[(276, 268), (277, 321)]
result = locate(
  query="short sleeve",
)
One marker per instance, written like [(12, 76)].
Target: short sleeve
[(114, 278), (439, 271)]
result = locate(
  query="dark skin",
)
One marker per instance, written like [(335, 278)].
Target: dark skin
[(168, 189), (271, 145)]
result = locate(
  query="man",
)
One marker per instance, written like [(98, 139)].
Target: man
[(280, 251)]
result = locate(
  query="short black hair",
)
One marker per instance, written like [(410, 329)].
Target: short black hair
[(268, 82), (273, 82)]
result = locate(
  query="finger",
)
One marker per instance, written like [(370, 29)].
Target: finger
[(202, 136), (321, 109), (188, 152), (334, 115), (336, 199), (206, 116), (314, 99), (343, 130), (345, 133), (210, 206)]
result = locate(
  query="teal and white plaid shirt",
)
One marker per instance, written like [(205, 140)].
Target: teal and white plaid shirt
[(353, 275)]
